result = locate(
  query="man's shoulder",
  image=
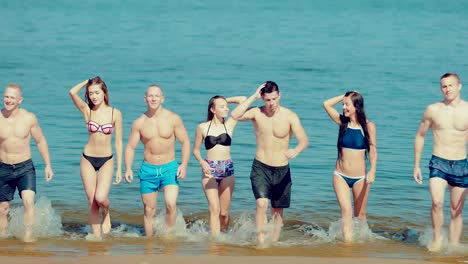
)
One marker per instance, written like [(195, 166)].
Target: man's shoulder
[(140, 120), (170, 115), (25, 114), (288, 112), (464, 103), (434, 107)]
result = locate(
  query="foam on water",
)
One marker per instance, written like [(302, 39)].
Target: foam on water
[(361, 232), (47, 222)]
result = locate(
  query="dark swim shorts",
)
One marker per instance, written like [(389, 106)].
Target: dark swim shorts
[(271, 182), (21, 175), (455, 172)]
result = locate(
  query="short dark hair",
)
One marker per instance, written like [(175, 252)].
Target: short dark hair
[(270, 87), (450, 74)]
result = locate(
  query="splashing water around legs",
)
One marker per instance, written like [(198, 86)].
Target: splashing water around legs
[(28, 203), (4, 209), (106, 221), (277, 214)]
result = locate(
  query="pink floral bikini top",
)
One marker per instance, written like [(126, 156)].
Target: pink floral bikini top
[(94, 127)]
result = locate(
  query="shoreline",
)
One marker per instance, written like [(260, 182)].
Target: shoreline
[(146, 259)]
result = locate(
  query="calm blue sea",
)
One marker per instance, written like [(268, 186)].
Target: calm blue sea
[(393, 52)]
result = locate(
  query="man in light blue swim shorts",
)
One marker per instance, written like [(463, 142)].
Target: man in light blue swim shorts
[(155, 177), (158, 129)]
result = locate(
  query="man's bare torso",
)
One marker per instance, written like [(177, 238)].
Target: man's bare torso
[(15, 136), (272, 135), (158, 138), (450, 130)]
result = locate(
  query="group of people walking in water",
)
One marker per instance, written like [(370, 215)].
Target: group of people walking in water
[(158, 129)]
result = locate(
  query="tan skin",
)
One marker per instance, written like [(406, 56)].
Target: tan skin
[(97, 183), (217, 195), (158, 129), (353, 164), (273, 126), (18, 126), (449, 124)]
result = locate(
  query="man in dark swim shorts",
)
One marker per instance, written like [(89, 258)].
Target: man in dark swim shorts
[(16, 167), (273, 183), (448, 166), (270, 175)]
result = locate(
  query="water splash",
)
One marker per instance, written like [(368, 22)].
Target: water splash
[(361, 232), (47, 222)]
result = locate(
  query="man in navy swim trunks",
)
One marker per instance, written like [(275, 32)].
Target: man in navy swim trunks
[(270, 175), (16, 167), (448, 120), (158, 129)]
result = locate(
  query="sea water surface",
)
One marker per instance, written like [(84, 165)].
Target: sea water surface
[(393, 52)]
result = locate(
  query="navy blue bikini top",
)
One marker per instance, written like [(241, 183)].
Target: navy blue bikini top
[(353, 138), (222, 139)]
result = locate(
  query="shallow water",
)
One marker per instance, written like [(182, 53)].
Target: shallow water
[(392, 52)]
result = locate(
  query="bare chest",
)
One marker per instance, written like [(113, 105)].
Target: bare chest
[(157, 130), (12, 129), (451, 119), (277, 126)]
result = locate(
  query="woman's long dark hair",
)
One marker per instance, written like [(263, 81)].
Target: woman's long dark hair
[(211, 104), (358, 102), (93, 81)]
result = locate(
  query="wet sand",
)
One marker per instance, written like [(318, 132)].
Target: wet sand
[(147, 259)]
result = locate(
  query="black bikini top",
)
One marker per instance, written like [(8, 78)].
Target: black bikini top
[(222, 139)]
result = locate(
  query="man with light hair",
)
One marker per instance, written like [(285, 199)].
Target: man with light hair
[(158, 129), (16, 167)]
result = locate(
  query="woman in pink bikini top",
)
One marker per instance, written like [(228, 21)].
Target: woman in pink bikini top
[(97, 163)]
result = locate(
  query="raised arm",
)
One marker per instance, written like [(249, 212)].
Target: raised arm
[(118, 144), (42, 146), (372, 153), (424, 126), (240, 113), (196, 150), (301, 136), (329, 106), (183, 138), (132, 143), (236, 99), (231, 122), (79, 103)]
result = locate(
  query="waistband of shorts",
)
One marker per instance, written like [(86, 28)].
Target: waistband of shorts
[(159, 165), (19, 164), (256, 161), (227, 160), (446, 160)]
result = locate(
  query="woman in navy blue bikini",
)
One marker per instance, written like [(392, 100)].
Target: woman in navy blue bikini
[(97, 163), (356, 142), (218, 168)]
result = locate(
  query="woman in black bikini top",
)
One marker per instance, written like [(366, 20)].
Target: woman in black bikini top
[(217, 169)]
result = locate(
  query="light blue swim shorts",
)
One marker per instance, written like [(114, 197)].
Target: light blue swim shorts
[(155, 177)]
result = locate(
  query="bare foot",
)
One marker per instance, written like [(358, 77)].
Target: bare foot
[(261, 239), (28, 238), (348, 238), (28, 234), (106, 222), (435, 246)]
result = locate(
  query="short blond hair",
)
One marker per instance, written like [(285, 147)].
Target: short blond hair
[(15, 86), (155, 86)]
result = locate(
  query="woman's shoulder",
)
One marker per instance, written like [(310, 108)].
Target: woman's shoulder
[(203, 124), (370, 123)]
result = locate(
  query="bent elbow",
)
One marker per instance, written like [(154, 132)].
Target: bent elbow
[(235, 116)]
